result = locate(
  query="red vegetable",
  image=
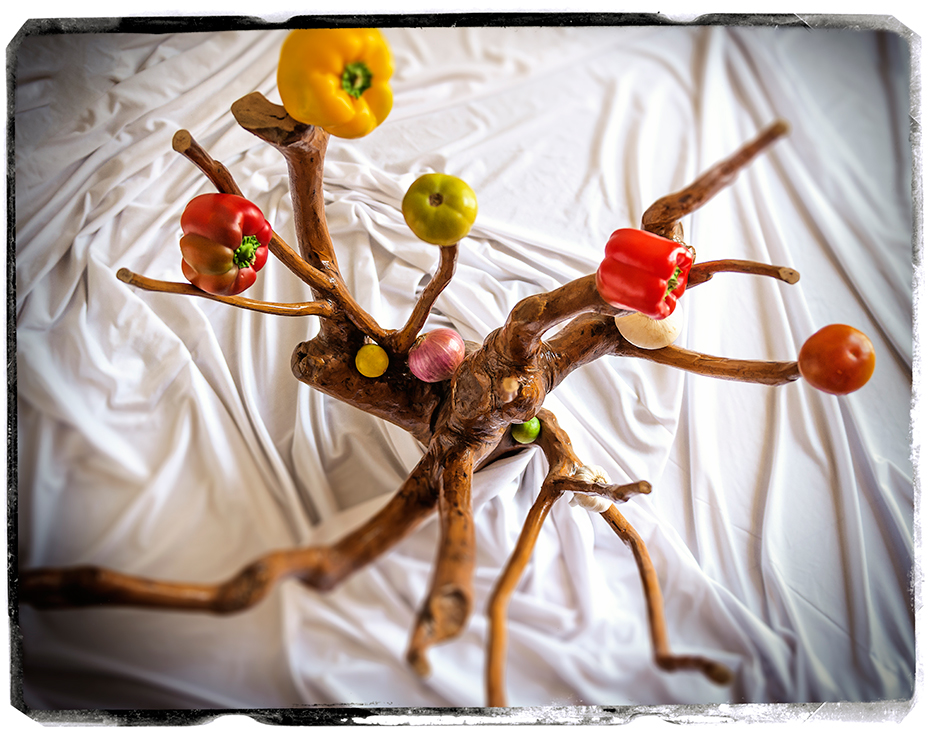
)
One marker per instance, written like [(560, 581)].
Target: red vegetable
[(643, 271), (838, 359), (224, 243)]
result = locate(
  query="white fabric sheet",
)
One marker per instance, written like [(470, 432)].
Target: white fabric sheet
[(165, 436)]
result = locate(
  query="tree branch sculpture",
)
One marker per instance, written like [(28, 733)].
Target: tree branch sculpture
[(464, 423)]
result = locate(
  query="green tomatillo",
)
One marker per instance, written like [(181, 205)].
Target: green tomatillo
[(440, 209)]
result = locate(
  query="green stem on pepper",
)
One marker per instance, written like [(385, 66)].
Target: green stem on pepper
[(356, 79)]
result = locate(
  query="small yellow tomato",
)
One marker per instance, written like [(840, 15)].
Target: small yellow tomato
[(372, 361)]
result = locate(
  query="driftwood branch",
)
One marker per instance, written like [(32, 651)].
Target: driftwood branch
[(301, 309), (218, 174), (403, 339), (565, 474), (451, 594), (703, 272), (320, 567), (663, 215), (463, 422), (303, 147), (563, 463), (714, 671), (497, 607)]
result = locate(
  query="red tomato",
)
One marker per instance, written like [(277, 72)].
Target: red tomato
[(837, 359)]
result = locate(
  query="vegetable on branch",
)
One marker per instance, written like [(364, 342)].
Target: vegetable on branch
[(643, 272), (439, 209), (467, 407), (336, 79), (436, 355), (224, 243)]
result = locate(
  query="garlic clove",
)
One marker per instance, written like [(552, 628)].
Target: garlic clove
[(648, 333)]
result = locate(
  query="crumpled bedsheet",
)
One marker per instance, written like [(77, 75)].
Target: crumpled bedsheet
[(165, 436)]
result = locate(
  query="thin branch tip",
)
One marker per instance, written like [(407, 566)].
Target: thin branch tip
[(181, 141)]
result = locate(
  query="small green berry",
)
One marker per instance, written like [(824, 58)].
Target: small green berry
[(527, 431)]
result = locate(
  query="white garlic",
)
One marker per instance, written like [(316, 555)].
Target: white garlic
[(648, 333)]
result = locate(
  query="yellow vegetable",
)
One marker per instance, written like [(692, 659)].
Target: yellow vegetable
[(336, 79), (372, 361)]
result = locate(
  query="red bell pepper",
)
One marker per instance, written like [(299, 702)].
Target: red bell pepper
[(224, 243), (643, 272)]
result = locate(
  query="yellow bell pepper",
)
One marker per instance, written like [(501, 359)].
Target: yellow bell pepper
[(336, 79)]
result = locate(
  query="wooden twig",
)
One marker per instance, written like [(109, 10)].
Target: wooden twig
[(703, 272), (403, 339), (217, 173), (593, 336), (302, 309), (661, 217), (303, 148), (714, 671), (563, 463), (564, 475), (766, 372), (500, 597), (617, 492)]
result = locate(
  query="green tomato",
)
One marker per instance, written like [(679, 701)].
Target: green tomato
[(372, 361), (526, 432), (440, 209)]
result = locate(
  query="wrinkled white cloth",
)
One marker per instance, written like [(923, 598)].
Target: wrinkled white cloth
[(165, 436)]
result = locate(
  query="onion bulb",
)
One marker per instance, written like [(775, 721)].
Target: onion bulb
[(436, 355), (648, 333)]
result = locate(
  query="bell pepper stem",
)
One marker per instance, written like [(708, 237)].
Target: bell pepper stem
[(673, 280), (356, 79), (245, 255)]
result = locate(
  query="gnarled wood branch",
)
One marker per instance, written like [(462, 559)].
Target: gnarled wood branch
[(304, 147), (300, 309), (450, 596), (714, 671), (319, 567), (703, 272), (663, 215), (401, 340), (464, 422)]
